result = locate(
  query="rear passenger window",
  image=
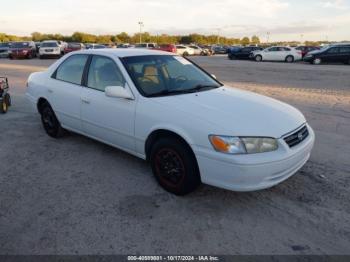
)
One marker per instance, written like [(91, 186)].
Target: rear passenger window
[(71, 70), (344, 50), (104, 72), (333, 50)]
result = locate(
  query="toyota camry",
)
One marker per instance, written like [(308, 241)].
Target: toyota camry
[(167, 110)]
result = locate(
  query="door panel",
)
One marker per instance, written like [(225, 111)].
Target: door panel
[(64, 91), (107, 118), (64, 98)]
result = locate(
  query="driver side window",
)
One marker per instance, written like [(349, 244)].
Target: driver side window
[(104, 72)]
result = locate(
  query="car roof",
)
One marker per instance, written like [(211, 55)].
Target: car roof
[(123, 52)]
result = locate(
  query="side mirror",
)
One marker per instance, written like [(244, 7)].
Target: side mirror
[(213, 76), (119, 92)]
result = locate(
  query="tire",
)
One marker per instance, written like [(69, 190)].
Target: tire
[(40, 57), (258, 58), (174, 166), (185, 54), (50, 122), (317, 61), (3, 107), (289, 59)]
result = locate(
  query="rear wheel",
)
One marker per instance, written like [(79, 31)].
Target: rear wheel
[(50, 122), (289, 59), (3, 107), (317, 61), (186, 54), (258, 58), (174, 166)]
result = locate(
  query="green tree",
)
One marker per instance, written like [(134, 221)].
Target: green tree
[(255, 40), (245, 41)]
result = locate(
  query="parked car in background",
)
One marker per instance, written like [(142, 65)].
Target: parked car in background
[(62, 46), (73, 47), (167, 48), (95, 46), (306, 49), (277, 53), (207, 49), (184, 50), (197, 50), (220, 49), (339, 53), (163, 108), (242, 52), (146, 45), (25, 49), (4, 49), (49, 49)]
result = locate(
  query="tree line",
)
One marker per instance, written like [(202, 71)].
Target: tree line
[(146, 37)]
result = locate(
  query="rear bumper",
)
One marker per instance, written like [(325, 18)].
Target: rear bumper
[(249, 172)]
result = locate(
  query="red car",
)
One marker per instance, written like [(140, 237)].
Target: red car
[(73, 47), (22, 50), (306, 49), (167, 48)]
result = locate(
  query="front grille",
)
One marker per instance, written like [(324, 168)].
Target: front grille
[(297, 137)]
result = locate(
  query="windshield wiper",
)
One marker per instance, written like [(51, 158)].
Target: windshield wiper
[(197, 88), (168, 92), (201, 87)]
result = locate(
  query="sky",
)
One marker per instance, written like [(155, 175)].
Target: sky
[(285, 20)]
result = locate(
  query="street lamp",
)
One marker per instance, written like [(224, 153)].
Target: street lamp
[(141, 25)]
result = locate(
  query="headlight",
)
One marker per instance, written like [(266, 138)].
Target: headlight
[(243, 145)]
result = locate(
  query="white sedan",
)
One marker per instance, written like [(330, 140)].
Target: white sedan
[(184, 50), (277, 53), (164, 109)]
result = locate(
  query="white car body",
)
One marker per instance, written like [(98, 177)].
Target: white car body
[(278, 53), (50, 50), (184, 50), (196, 50), (128, 123)]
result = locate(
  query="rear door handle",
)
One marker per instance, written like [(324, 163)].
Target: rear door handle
[(85, 101)]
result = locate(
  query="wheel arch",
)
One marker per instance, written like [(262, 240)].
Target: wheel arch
[(40, 103), (163, 132)]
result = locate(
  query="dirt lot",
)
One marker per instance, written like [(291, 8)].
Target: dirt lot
[(78, 196)]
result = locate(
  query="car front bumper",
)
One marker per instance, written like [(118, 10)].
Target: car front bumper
[(308, 59), (256, 171)]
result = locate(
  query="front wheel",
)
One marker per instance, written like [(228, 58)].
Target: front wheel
[(258, 58), (317, 61), (174, 166), (50, 122), (289, 59)]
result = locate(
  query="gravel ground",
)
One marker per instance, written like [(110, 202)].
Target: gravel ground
[(78, 196)]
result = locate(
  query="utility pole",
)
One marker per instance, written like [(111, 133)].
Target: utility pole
[(268, 37), (141, 25), (218, 40)]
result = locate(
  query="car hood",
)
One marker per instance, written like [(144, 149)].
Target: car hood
[(237, 112), (315, 52)]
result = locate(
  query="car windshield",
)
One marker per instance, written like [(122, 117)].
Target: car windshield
[(163, 75), (4, 45), (20, 45), (52, 44)]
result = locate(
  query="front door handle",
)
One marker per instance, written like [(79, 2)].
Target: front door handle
[(50, 91), (85, 101)]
